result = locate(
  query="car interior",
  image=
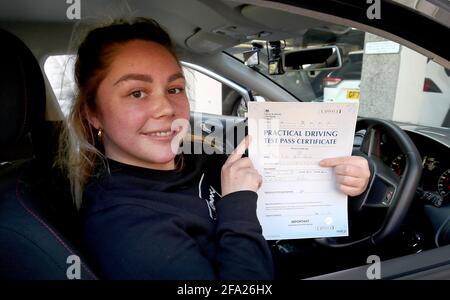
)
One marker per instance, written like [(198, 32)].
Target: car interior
[(403, 217)]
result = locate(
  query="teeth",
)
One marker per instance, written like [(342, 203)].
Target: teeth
[(161, 133)]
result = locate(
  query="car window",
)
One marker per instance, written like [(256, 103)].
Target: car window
[(351, 68), (213, 93), (204, 92), (59, 70), (389, 80)]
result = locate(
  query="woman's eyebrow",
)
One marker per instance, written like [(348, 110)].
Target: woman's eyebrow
[(135, 76), (146, 78), (175, 77)]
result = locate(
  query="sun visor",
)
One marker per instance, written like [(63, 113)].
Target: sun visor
[(206, 42)]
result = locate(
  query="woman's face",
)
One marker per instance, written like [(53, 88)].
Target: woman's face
[(138, 101)]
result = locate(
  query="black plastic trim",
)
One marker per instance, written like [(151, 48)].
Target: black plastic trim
[(396, 19)]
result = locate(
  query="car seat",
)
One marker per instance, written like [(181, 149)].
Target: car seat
[(38, 222)]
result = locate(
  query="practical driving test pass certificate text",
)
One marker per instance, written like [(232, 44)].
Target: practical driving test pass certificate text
[(298, 198)]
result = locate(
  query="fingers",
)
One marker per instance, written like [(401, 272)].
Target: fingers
[(256, 177), (352, 173), (238, 173), (350, 181), (355, 166), (239, 151), (343, 160), (334, 161), (349, 170), (348, 190), (242, 179), (242, 163)]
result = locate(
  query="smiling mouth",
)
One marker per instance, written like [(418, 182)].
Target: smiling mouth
[(163, 134)]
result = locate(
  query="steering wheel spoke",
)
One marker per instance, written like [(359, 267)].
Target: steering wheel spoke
[(383, 186)]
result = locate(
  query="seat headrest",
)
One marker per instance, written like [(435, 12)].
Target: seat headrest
[(22, 93)]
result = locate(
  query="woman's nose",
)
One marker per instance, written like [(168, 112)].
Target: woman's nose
[(163, 107)]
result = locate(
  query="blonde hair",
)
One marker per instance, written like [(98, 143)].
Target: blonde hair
[(81, 152)]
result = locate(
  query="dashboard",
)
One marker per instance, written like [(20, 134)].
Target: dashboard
[(435, 182), (428, 222)]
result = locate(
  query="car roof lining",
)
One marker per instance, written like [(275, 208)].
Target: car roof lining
[(223, 23), (180, 18)]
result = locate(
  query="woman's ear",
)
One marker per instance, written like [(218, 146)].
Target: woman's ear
[(92, 118)]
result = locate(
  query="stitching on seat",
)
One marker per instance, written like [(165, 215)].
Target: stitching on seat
[(48, 228)]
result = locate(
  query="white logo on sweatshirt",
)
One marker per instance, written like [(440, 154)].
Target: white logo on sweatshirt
[(211, 198)]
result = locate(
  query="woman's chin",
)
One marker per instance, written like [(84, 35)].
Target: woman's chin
[(162, 158), (159, 156)]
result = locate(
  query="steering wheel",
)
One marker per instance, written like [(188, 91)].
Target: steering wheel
[(386, 190)]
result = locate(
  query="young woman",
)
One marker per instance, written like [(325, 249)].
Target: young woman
[(147, 212)]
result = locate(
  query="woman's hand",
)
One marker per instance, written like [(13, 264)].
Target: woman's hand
[(238, 173), (352, 173)]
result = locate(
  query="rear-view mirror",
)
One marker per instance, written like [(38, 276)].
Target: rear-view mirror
[(313, 59)]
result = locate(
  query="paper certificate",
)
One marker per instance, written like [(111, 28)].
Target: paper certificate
[(298, 198)]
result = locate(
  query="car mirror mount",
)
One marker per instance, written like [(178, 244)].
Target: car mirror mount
[(274, 56)]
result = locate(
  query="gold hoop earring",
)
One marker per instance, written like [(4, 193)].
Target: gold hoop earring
[(100, 134)]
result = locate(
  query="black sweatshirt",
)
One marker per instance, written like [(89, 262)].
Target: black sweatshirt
[(140, 223)]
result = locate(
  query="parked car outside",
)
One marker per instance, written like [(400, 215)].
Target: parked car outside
[(343, 85)]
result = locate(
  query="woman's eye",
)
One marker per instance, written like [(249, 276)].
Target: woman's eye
[(137, 94), (176, 90)]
